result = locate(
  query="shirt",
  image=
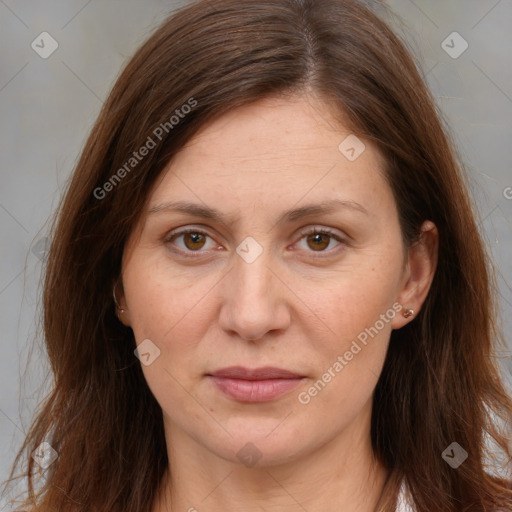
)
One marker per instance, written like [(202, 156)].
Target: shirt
[(404, 502)]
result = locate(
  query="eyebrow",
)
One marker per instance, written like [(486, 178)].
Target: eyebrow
[(205, 212)]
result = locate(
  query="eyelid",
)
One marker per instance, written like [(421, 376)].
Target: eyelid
[(321, 229)]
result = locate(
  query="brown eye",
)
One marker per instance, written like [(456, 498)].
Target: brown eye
[(194, 240), (318, 241), (190, 240)]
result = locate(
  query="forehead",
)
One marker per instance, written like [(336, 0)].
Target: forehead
[(272, 152), (293, 131)]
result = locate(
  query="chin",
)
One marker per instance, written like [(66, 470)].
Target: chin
[(259, 447)]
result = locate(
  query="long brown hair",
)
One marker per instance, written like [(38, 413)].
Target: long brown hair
[(440, 382)]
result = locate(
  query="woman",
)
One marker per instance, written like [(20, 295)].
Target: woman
[(266, 288)]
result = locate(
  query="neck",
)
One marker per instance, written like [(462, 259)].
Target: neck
[(340, 476)]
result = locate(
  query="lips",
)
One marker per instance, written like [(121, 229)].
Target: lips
[(269, 372), (255, 385)]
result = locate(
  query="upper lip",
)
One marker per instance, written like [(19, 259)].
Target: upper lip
[(265, 373)]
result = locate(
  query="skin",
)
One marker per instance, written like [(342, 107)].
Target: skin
[(298, 306)]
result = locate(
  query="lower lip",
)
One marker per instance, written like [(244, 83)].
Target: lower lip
[(255, 390)]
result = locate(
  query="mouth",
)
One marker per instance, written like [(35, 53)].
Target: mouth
[(255, 385)]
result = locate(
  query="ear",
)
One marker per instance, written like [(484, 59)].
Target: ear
[(122, 312), (419, 270)]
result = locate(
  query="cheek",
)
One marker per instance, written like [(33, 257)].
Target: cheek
[(360, 327), (353, 300), (349, 360), (162, 301), (356, 308), (172, 310)]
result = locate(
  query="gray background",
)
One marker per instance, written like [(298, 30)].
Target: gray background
[(47, 107)]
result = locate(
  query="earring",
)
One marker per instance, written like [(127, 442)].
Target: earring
[(408, 313), (121, 310)]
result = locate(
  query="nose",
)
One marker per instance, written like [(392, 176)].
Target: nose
[(254, 300)]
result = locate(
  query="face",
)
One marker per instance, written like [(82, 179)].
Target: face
[(268, 271)]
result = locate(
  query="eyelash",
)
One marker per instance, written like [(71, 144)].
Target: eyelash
[(194, 254)]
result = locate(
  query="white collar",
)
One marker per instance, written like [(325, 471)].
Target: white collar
[(404, 502)]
